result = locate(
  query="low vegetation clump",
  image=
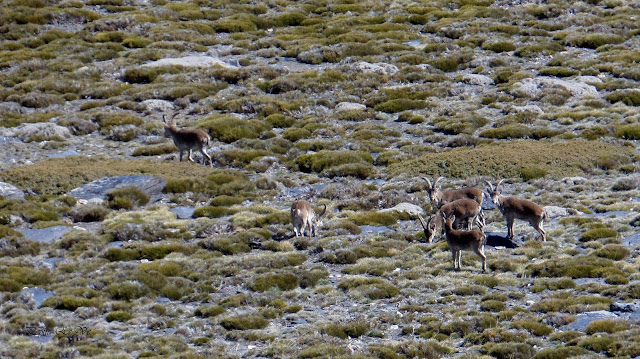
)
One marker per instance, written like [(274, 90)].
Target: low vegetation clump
[(598, 233), (345, 331), (127, 197), (244, 322), (575, 267), (374, 288)]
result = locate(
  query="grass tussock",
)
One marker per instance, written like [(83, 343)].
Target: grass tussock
[(557, 159)]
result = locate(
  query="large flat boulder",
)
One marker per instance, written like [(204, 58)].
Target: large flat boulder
[(151, 185), (9, 191)]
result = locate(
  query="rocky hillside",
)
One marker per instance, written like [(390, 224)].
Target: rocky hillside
[(110, 247)]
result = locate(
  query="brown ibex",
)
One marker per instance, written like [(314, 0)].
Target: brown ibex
[(303, 215), (460, 240), (512, 208), (439, 197), (188, 139), (466, 210)]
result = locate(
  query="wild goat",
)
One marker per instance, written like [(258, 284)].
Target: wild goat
[(466, 210), (512, 208), (188, 139), (303, 215), (439, 197), (459, 241)]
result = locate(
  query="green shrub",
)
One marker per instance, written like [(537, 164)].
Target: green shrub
[(140, 75), (509, 350), (509, 131), (125, 291), (606, 326), (628, 97), (69, 302), (209, 311), (122, 254), (374, 218), (345, 331), (575, 267), (492, 305), (445, 64), (155, 150), (136, 42), (159, 251), (400, 104), (126, 197), (598, 233), (279, 120), (244, 322), (604, 344), (534, 327), (560, 353), (210, 212), (629, 132), (374, 288), (325, 159), (558, 71), (614, 252), (230, 129), (119, 316), (284, 281), (594, 40), (89, 213), (532, 173), (295, 134), (499, 46)]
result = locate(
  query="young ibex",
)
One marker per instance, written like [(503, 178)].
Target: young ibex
[(439, 197), (466, 210), (188, 139), (512, 208), (303, 215), (460, 240)]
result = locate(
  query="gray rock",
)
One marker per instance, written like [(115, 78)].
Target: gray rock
[(556, 211), (409, 208), (45, 235), (183, 212), (151, 185), (583, 319), (348, 106), (378, 68), (42, 131), (476, 79), (532, 87), (9, 191), (35, 294), (158, 105), (527, 109), (191, 61)]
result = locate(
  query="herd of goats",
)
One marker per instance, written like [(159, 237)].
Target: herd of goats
[(457, 210)]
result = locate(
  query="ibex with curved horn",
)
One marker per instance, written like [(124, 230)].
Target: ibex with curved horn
[(303, 215), (188, 139), (439, 197), (466, 210), (512, 208), (459, 241)]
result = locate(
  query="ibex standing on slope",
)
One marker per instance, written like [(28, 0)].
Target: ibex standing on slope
[(188, 139), (466, 210), (439, 197), (303, 215), (512, 208), (464, 241)]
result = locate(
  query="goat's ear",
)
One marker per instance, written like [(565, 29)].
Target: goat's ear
[(164, 118)]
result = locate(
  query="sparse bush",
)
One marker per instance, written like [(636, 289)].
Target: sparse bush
[(345, 331), (89, 213), (127, 197), (499, 46), (140, 75), (594, 40), (532, 173), (210, 212), (630, 132), (244, 322), (284, 281), (445, 64), (614, 252), (209, 311), (374, 288), (69, 302), (629, 98), (598, 233)]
